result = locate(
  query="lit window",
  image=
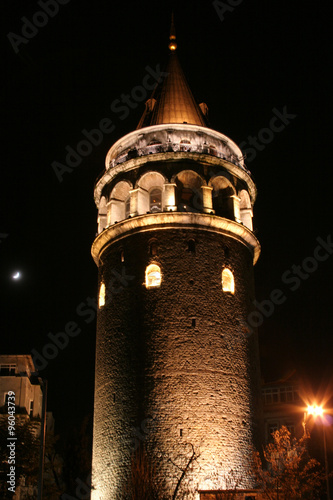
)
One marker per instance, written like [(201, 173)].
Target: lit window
[(101, 298), (228, 282), (153, 276), (155, 200)]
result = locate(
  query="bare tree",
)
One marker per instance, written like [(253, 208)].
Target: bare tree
[(187, 463), (145, 481)]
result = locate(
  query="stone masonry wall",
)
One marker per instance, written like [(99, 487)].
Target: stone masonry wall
[(177, 368)]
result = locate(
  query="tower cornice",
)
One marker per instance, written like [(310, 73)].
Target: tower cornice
[(170, 220)]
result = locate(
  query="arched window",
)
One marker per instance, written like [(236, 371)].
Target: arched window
[(228, 282), (188, 191), (116, 205), (245, 209), (153, 276), (101, 297), (102, 214), (153, 249), (223, 201), (155, 200)]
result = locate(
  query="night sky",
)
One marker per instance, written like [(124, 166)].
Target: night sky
[(257, 60)]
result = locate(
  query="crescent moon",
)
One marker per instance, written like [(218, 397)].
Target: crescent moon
[(17, 275)]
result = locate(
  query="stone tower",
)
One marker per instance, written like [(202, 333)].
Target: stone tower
[(177, 368)]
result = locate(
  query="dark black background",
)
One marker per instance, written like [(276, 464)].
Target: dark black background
[(263, 55)]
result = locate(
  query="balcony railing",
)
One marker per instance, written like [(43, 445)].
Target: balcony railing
[(172, 147)]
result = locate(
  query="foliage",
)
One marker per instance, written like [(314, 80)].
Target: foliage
[(290, 473), (53, 464), (26, 456)]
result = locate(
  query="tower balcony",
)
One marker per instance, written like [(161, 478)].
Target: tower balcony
[(178, 168)]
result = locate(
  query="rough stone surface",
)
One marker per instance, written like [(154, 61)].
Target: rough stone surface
[(177, 366)]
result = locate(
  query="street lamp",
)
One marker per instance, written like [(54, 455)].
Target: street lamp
[(317, 411), (42, 440)]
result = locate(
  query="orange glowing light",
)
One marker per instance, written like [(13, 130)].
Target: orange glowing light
[(101, 298), (315, 410), (153, 276)]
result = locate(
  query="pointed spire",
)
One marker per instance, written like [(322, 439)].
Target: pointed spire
[(172, 100), (172, 37)]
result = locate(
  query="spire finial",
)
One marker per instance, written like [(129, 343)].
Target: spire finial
[(172, 37)]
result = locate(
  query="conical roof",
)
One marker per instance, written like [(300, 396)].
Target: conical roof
[(172, 100)]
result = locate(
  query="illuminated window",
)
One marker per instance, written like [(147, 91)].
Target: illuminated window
[(153, 276), (228, 282), (101, 298), (155, 200)]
